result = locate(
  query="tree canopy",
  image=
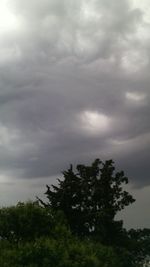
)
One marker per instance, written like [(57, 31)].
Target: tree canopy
[(77, 226), (90, 198)]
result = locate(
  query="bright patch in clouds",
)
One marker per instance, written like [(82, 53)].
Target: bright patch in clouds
[(94, 122), (8, 21), (134, 61), (134, 96), (7, 137), (89, 13), (144, 6)]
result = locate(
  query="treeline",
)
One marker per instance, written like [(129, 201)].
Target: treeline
[(76, 226)]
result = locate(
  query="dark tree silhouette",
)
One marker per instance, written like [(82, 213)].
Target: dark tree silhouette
[(90, 198)]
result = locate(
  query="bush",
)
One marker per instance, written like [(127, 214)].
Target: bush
[(28, 221), (46, 252)]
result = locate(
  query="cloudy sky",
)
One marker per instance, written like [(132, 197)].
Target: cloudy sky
[(74, 86)]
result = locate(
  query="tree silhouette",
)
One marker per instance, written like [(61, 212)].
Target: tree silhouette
[(90, 198)]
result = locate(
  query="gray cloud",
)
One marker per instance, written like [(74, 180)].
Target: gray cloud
[(74, 85)]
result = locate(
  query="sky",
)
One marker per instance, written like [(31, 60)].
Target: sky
[(74, 86)]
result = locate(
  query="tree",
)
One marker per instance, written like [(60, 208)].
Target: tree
[(90, 198), (139, 245), (27, 221), (44, 252)]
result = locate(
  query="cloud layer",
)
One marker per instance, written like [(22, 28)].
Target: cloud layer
[(74, 85)]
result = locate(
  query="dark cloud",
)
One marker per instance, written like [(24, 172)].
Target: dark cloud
[(74, 85)]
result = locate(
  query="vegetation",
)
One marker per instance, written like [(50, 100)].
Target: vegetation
[(76, 227), (95, 195)]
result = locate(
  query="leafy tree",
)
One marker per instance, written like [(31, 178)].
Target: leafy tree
[(90, 198), (139, 245), (45, 252), (28, 221)]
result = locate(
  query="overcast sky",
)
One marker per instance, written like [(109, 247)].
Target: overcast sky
[(74, 86)]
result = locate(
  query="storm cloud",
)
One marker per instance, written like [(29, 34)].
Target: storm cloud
[(74, 86)]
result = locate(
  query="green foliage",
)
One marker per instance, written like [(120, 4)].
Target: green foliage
[(27, 221), (77, 227), (139, 245), (95, 195), (51, 252)]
